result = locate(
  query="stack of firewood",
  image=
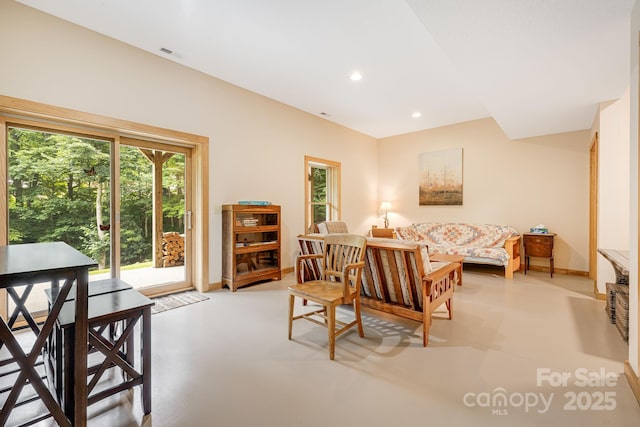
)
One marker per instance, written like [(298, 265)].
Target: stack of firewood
[(172, 249)]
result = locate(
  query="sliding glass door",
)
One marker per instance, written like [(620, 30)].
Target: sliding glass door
[(154, 215), (123, 202)]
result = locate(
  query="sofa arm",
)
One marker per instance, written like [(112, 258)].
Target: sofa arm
[(436, 280), (437, 289), (512, 246), (511, 242)]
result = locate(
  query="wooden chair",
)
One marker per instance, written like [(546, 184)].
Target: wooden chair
[(341, 264), (387, 233)]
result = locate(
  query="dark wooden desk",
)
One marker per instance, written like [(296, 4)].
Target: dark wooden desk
[(55, 263), (619, 260)]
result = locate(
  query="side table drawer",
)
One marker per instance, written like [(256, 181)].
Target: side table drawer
[(538, 246)]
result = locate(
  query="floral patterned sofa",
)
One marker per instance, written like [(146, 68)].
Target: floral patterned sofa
[(478, 243)]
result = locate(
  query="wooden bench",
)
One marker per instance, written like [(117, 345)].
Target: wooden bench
[(395, 279)]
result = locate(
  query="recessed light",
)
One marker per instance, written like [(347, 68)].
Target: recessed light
[(416, 114), (356, 76)]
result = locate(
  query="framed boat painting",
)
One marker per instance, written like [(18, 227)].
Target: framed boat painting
[(441, 177)]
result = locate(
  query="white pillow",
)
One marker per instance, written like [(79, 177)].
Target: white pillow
[(322, 228), (424, 253)]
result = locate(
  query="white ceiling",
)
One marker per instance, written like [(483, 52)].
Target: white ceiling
[(536, 66)]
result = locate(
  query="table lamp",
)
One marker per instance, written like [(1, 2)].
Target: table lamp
[(385, 206)]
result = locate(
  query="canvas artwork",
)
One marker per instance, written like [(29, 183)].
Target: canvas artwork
[(441, 177)]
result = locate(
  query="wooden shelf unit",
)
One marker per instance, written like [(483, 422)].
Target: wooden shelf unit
[(251, 241)]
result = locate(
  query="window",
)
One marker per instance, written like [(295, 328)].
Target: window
[(322, 191), (79, 170)]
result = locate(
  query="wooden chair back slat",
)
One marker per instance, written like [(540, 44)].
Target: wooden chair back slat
[(339, 251)]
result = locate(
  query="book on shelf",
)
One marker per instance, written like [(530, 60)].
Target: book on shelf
[(254, 202), (246, 244)]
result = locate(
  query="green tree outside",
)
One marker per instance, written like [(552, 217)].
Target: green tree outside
[(319, 194), (60, 190)]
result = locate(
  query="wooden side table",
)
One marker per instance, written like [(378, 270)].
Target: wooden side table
[(538, 245)]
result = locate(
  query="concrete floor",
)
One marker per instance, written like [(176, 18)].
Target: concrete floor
[(499, 362)]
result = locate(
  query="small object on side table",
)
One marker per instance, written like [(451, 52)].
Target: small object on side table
[(538, 245)]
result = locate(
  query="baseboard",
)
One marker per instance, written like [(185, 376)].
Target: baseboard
[(578, 273), (600, 296), (218, 285), (288, 270), (633, 380), (215, 286), (556, 270)]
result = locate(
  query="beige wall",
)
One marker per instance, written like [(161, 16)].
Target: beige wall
[(634, 295), (257, 144), (521, 183), (612, 124)]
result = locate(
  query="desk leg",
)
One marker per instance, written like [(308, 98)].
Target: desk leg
[(130, 347), (80, 349), (28, 372), (146, 360), (67, 355)]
